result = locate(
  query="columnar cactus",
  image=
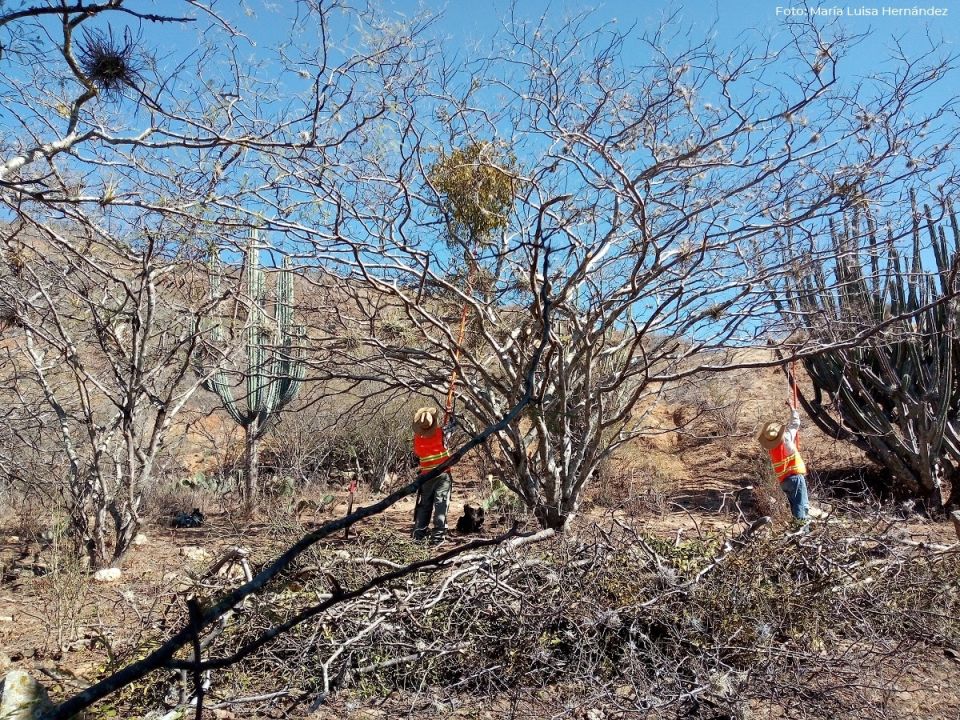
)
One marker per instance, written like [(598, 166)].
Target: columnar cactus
[(896, 395), (274, 370)]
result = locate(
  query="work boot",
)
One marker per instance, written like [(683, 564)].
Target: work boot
[(438, 536), (797, 527)]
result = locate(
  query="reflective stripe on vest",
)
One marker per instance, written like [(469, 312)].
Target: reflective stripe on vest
[(786, 464), (430, 449)]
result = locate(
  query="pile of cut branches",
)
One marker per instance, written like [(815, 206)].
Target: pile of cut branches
[(815, 622)]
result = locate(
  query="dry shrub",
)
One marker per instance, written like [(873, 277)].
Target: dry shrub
[(168, 496), (29, 512), (314, 447), (638, 488), (65, 592), (504, 508), (703, 410), (765, 496), (813, 622)]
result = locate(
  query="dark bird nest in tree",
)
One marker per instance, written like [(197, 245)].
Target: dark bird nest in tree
[(111, 63)]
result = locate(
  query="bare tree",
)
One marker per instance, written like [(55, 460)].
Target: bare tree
[(105, 329), (656, 182), (100, 300), (126, 169), (201, 618)]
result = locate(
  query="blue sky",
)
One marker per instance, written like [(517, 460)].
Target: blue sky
[(730, 19), (466, 25), (466, 20)]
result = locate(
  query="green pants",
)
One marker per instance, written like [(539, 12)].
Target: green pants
[(434, 499)]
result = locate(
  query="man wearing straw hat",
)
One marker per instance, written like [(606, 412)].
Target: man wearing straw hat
[(782, 441), (429, 445)]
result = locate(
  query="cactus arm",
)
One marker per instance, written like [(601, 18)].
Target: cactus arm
[(823, 419), (294, 369), (939, 249), (916, 267), (954, 226), (284, 307), (255, 350), (291, 369), (943, 383), (273, 372), (255, 369), (218, 384)]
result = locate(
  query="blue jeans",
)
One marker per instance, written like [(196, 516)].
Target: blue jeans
[(434, 498), (795, 487)]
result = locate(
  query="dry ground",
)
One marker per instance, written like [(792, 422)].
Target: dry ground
[(682, 482)]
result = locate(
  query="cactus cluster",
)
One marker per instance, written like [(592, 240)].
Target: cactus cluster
[(896, 395), (274, 368)]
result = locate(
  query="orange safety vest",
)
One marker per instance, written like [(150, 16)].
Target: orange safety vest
[(784, 464), (430, 449)]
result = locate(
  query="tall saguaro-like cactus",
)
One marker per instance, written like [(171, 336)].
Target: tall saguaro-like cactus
[(897, 395), (274, 369)]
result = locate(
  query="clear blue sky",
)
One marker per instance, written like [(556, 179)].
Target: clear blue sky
[(467, 20), (466, 24), (731, 20)]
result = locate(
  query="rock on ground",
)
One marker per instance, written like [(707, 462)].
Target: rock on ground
[(195, 553), (23, 697), (105, 575)]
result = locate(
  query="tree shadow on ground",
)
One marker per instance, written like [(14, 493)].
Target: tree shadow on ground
[(708, 500), (864, 483)]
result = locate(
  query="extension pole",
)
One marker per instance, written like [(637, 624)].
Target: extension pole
[(448, 409), (793, 381)]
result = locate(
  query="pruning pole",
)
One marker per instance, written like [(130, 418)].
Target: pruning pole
[(448, 409), (793, 381)]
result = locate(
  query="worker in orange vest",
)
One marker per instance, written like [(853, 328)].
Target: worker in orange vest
[(429, 445), (782, 442)]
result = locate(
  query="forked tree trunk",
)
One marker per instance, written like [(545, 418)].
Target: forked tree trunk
[(126, 524), (553, 517)]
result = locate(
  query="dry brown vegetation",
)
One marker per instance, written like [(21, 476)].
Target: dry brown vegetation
[(656, 604)]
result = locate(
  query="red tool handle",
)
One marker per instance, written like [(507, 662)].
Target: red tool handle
[(456, 354)]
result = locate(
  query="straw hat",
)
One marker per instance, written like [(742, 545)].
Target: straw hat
[(425, 420), (771, 435)]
